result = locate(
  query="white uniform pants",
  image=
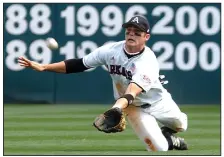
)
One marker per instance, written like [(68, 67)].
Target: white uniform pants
[(144, 122)]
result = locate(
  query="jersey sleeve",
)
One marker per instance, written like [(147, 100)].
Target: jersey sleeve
[(145, 77), (97, 57)]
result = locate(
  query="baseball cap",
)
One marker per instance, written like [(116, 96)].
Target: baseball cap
[(138, 21)]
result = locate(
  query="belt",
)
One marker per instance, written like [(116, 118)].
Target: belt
[(145, 106)]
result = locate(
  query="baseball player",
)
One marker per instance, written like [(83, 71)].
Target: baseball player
[(137, 89)]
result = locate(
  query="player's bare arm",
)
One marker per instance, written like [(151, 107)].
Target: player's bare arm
[(67, 66), (54, 67), (131, 92)]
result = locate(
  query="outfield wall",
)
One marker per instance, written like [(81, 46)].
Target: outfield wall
[(186, 38)]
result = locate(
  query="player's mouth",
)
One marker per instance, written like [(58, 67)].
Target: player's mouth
[(131, 40)]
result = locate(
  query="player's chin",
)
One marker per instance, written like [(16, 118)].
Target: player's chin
[(130, 43)]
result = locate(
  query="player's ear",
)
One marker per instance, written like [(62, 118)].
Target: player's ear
[(147, 37)]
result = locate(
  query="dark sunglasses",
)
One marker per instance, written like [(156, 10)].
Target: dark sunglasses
[(136, 33)]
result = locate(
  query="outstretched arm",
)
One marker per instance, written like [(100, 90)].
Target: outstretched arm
[(54, 67), (67, 66), (131, 92)]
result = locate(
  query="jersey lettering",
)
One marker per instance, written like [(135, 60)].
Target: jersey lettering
[(117, 69)]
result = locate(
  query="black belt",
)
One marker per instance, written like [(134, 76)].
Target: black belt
[(145, 106)]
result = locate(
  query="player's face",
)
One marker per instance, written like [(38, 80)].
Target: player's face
[(135, 37)]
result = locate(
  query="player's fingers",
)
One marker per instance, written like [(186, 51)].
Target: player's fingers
[(22, 62), (24, 65), (20, 58), (24, 59)]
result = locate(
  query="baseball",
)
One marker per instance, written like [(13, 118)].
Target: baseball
[(51, 43)]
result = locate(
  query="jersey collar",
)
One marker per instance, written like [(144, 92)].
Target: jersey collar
[(129, 55)]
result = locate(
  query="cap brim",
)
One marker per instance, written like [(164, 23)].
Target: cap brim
[(125, 25)]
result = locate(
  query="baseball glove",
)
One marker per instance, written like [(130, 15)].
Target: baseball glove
[(111, 121)]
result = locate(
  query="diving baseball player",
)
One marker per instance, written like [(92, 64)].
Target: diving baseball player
[(138, 91)]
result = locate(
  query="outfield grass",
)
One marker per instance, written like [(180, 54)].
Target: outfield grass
[(68, 130)]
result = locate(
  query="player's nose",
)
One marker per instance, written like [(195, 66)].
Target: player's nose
[(132, 33)]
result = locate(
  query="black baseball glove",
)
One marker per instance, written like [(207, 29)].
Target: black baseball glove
[(111, 121)]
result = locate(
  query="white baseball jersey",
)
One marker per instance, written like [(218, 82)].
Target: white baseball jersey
[(141, 69)]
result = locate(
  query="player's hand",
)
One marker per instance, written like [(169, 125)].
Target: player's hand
[(30, 64)]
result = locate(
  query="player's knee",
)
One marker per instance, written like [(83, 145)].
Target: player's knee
[(183, 123)]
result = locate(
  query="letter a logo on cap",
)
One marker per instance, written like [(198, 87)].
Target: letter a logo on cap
[(135, 20)]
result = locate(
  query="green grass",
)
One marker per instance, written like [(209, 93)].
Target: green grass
[(68, 130)]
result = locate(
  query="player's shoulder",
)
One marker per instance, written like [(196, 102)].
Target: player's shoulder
[(109, 49), (113, 45), (148, 59), (148, 55), (148, 51)]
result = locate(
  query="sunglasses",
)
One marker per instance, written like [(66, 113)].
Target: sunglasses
[(136, 33)]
